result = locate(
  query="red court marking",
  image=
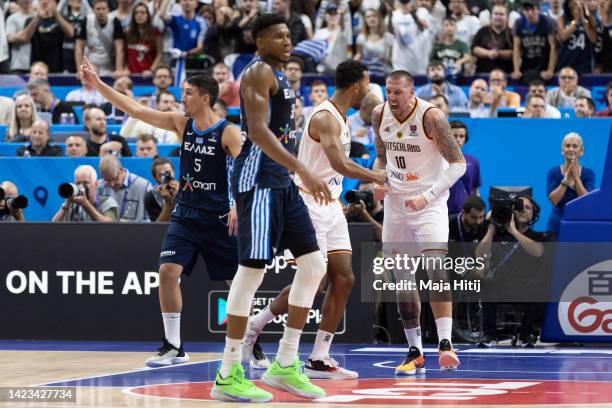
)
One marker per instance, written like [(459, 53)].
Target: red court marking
[(424, 391)]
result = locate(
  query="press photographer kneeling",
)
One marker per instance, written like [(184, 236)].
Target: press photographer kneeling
[(82, 201), (512, 265)]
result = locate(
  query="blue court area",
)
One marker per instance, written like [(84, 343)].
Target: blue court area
[(371, 361)]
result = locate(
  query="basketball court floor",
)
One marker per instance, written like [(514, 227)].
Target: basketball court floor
[(112, 374)]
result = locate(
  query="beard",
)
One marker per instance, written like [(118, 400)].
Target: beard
[(437, 80), (98, 132)]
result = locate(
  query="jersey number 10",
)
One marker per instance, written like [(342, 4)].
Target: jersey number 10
[(400, 161)]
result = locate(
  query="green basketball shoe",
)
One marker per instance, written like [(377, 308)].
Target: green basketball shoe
[(291, 379), (236, 388)]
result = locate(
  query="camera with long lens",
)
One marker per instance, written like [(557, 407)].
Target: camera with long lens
[(12, 202), (354, 196), (502, 208), (68, 190), (166, 177)]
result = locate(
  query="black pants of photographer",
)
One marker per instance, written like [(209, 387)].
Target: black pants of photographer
[(533, 315)]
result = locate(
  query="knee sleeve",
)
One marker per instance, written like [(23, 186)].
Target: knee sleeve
[(242, 291), (310, 270), (434, 265)]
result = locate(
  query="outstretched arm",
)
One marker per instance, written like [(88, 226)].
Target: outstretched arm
[(173, 121), (325, 129)]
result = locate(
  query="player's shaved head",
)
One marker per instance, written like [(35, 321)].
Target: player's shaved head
[(399, 74)]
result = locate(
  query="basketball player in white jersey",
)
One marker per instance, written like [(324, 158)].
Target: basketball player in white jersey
[(325, 149), (415, 145)]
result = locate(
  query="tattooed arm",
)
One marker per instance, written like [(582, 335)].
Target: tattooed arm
[(437, 129), (381, 152)]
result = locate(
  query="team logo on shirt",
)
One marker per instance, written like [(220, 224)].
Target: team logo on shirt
[(188, 180), (287, 133), (413, 130), (213, 137), (400, 135)]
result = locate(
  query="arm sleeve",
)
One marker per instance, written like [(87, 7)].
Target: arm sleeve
[(446, 180)]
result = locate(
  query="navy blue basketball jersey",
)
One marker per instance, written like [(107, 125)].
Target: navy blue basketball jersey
[(252, 166), (577, 52), (205, 168)]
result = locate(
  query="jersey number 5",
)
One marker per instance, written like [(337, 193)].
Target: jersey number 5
[(197, 165)]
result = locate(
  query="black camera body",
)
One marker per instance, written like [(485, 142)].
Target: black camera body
[(354, 196), (502, 208), (166, 177)]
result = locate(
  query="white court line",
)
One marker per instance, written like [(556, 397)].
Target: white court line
[(137, 370), (489, 351), (565, 357)]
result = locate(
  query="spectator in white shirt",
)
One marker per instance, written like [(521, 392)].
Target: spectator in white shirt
[(467, 24), (413, 38)]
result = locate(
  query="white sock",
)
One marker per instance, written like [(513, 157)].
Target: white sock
[(322, 344), (172, 328), (288, 347), (413, 336), (231, 355), (258, 322), (445, 328)]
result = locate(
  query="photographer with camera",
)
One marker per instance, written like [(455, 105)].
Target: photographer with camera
[(82, 202), (159, 202), (517, 254), (11, 203), (363, 208)]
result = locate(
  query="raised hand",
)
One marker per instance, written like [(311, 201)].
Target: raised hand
[(88, 73)]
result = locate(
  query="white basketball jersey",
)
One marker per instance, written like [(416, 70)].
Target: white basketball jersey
[(413, 160), (312, 155)]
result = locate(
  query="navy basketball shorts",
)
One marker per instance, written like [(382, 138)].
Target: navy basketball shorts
[(271, 219), (194, 232)]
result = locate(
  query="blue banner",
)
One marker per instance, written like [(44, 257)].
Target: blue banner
[(39, 177)]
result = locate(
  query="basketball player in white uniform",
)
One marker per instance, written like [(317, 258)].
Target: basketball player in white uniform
[(415, 145), (325, 149)]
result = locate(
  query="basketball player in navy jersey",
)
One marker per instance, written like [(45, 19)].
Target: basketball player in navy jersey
[(202, 222), (271, 213)]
